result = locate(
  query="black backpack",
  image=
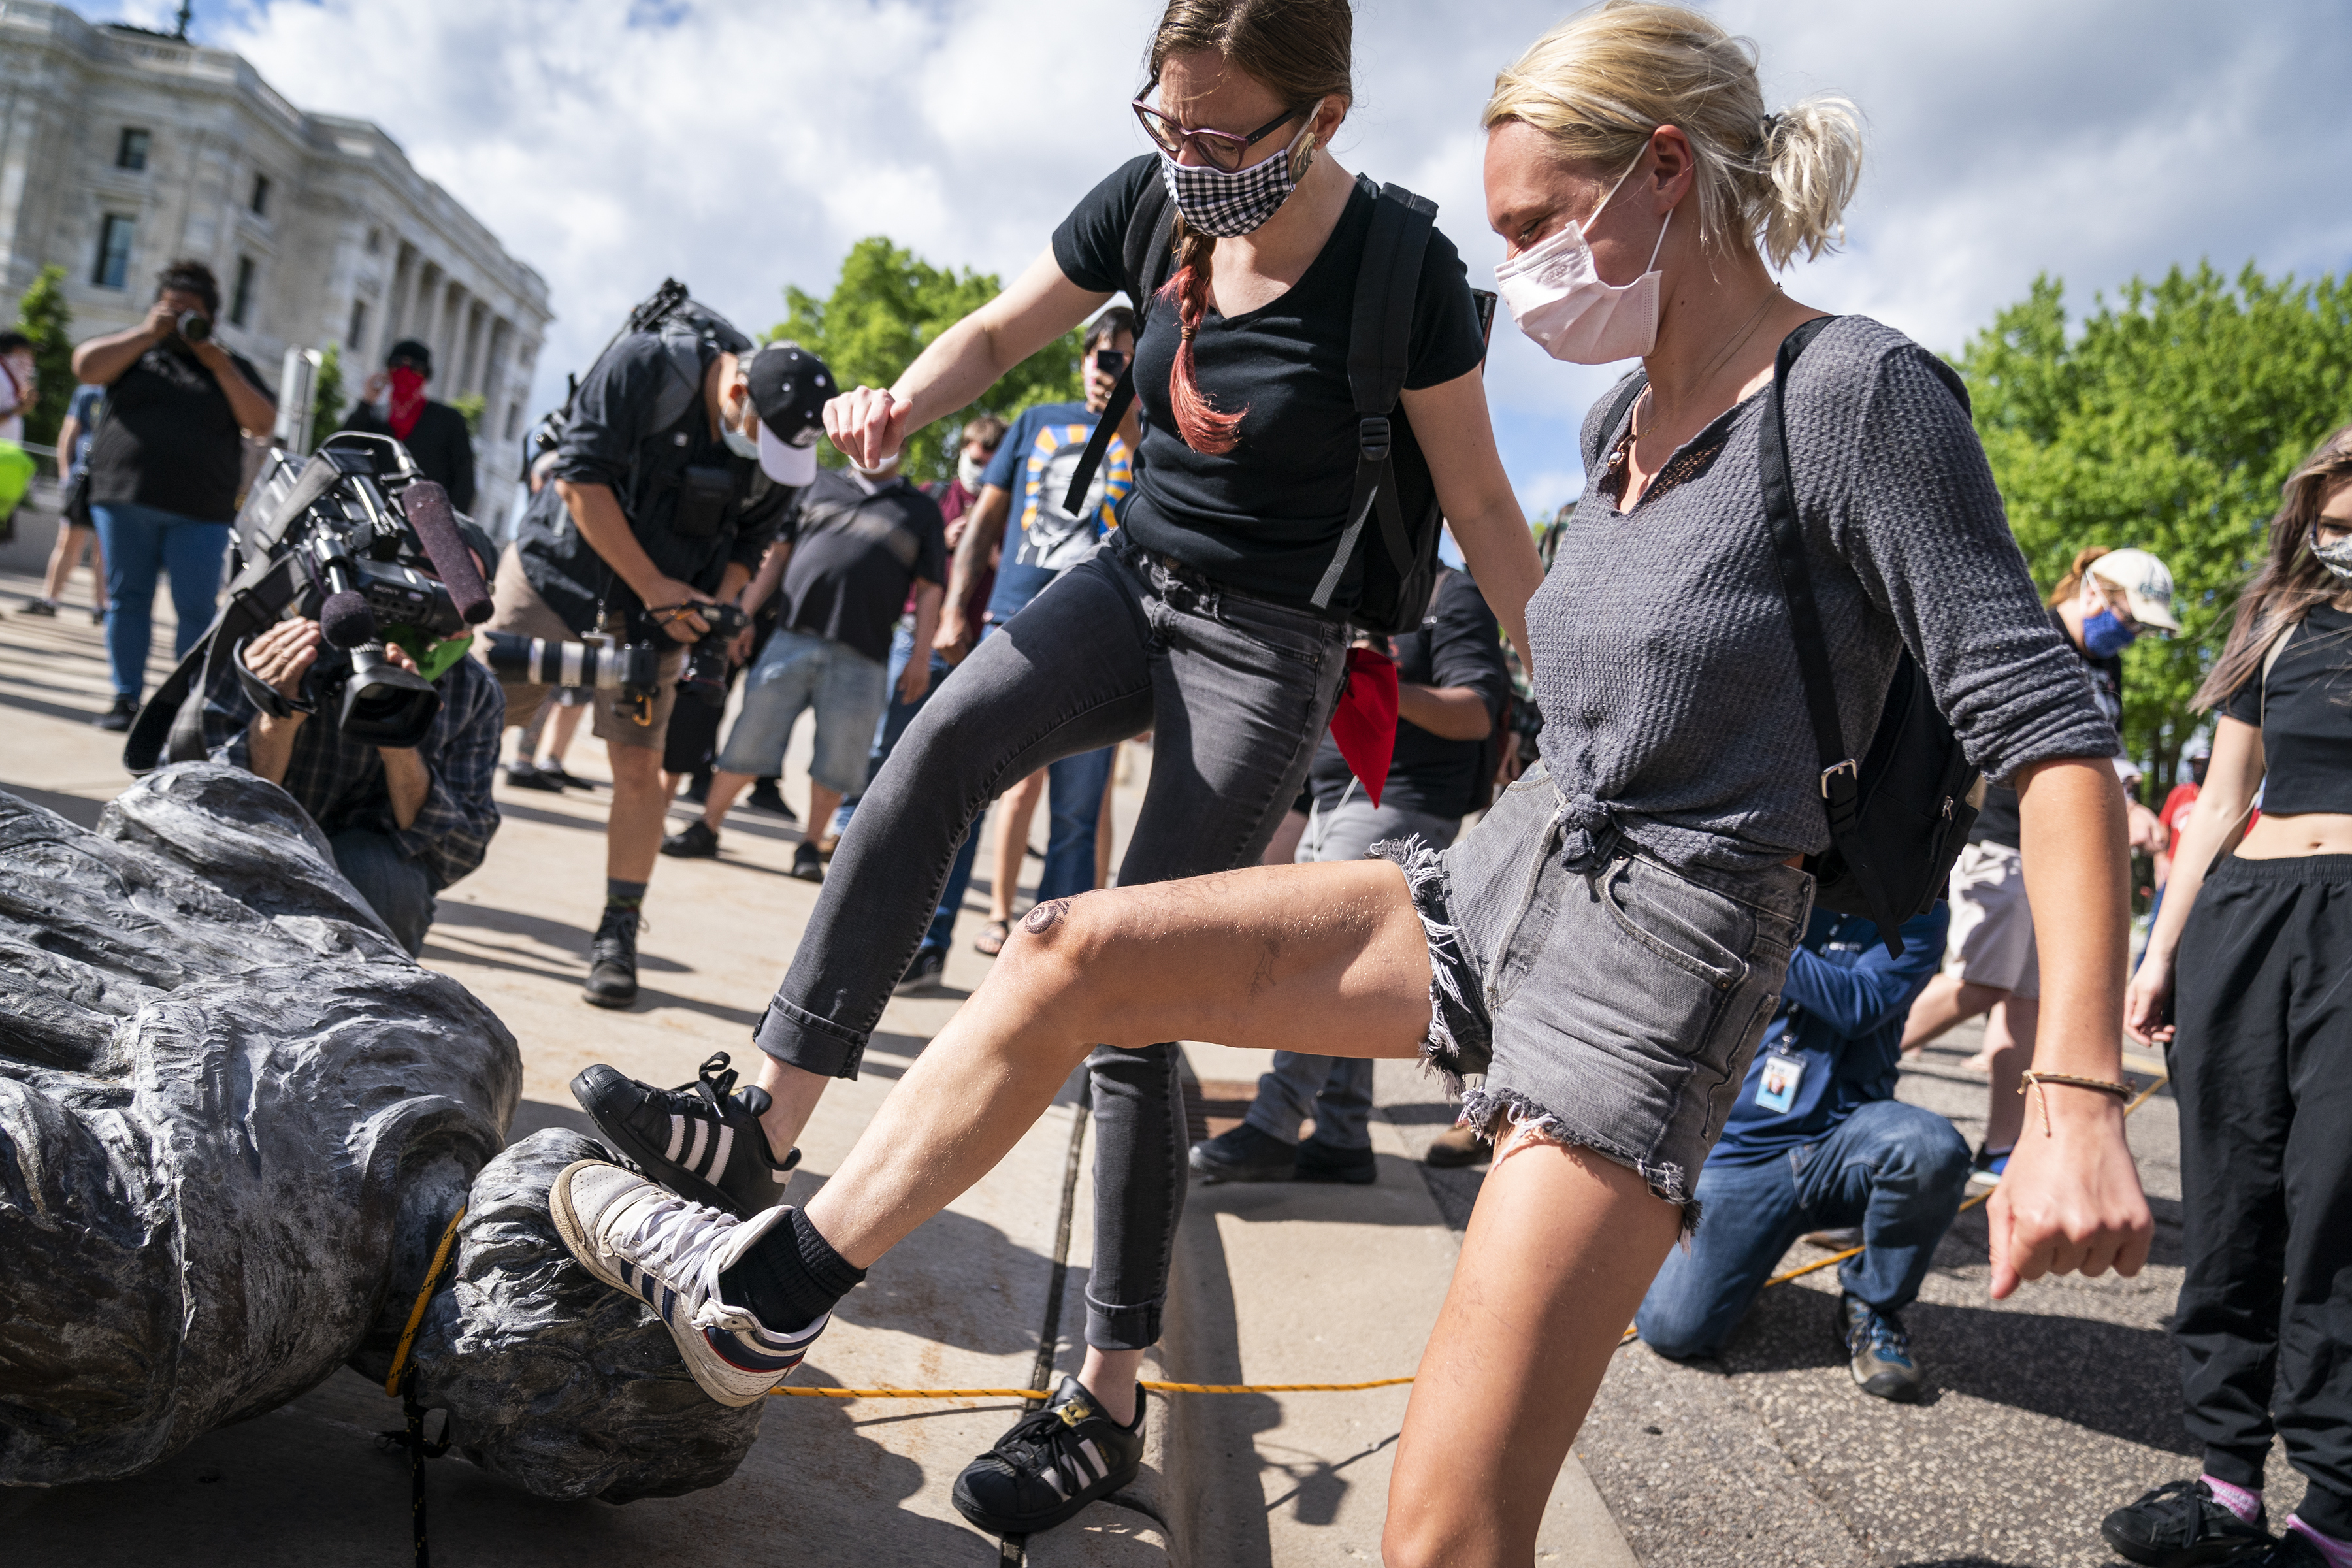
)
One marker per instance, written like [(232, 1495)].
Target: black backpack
[(1899, 817), (1392, 480)]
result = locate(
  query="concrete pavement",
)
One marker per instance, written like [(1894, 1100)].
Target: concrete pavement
[(1271, 1284)]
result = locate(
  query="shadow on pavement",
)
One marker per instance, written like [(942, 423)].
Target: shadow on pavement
[(77, 809)]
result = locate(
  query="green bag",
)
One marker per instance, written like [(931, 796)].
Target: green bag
[(17, 467)]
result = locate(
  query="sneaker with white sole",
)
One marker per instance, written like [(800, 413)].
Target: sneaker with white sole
[(702, 1139), (669, 1253)]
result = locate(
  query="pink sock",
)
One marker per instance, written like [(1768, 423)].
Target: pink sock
[(2337, 1552), (2246, 1505)]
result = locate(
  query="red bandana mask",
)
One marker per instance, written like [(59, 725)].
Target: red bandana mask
[(1365, 723), (406, 402)]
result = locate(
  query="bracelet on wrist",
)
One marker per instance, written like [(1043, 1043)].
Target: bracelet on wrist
[(2033, 1079)]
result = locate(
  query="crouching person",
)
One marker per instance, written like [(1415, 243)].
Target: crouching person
[(403, 822), (1818, 1140)]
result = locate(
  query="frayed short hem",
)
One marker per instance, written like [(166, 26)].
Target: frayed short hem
[(1459, 1034), (1506, 1118)]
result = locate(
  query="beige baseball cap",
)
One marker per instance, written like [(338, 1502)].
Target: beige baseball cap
[(2146, 584)]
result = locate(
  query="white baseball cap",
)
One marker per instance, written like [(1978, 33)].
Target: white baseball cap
[(2146, 584)]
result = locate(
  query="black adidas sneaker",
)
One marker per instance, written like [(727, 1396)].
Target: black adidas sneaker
[(1052, 1464), (701, 1139)]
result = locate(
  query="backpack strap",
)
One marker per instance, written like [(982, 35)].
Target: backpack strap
[(1841, 773), (1622, 402), (1150, 242), (1379, 346)]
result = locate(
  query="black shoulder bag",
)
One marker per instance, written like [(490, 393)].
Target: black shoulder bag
[(1899, 816)]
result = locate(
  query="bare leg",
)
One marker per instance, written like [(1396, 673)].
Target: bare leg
[(1559, 1251), (822, 804), (1284, 848), (2009, 1043), (1948, 1001), (1332, 954), (1013, 819), (792, 1094), (64, 556), (567, 724), (724, 787), (1106, 826), (633, 831)]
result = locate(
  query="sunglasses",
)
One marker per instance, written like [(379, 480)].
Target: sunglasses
[(1218, 149), (1110, 362)]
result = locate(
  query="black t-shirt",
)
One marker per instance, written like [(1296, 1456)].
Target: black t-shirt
[(855, 556), (1458, 643), (1267, 516), (693, 504), (171, 439), (2308, 722), (1997, 823), (438, 441)]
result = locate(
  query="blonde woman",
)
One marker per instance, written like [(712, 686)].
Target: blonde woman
[(1597, 958), (2248, 954)]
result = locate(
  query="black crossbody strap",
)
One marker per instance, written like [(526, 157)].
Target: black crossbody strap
[(1840, 771), (1150, 236), (1380, 355)]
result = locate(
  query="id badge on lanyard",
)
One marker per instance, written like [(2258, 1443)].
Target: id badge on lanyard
[(1776, 1086)]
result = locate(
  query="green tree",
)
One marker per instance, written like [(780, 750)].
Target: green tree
[(2167, 422), (887, 305), (471, 405), (327, 395), (43, 315)]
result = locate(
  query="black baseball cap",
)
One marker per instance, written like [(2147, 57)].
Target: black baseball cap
[(415, 353), (789, 387)]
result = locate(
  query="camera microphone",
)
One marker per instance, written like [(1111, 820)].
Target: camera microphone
[(346, 621), (430, 513)]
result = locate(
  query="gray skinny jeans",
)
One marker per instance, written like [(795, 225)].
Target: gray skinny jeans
[(1337, 1091), (1236, 691)]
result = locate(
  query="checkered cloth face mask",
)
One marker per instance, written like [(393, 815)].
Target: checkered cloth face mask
[(1224, 204)]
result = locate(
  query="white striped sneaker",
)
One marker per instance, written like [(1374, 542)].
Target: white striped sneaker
[(1052, 1464), (701, 1139), (669, 1253)]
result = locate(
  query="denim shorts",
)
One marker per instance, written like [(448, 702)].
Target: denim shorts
[(1614, 1006), (795, 672)]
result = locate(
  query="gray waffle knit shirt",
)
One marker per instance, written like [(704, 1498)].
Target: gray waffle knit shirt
[(1665, 664)]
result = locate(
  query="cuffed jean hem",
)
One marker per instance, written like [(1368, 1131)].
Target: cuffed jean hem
[(1112, 1328), (805, 1041)]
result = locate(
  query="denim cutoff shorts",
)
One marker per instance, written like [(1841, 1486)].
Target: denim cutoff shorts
[(794, 673), (1613, 1007)]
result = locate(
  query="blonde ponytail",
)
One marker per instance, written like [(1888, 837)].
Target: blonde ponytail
[(1601, 82)]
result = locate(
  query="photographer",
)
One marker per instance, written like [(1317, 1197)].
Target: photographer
[(403, 822), (393, 403), (164, 473), (665, 493)]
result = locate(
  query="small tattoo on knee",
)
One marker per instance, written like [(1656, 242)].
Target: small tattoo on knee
[(1044, 917)]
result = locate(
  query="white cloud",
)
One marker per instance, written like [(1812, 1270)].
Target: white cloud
[(744, 146)]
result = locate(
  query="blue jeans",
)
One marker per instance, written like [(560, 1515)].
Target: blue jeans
[(1893, 1169), (794, 673), (141, 542), (396, 889)]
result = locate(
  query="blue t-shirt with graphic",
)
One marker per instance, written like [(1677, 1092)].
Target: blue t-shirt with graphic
[(1034, 463)]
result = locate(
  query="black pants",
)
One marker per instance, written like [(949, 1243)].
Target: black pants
[(1236, 692), (2262, 1068)]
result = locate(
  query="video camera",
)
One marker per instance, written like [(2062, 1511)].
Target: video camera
[(359, 540)]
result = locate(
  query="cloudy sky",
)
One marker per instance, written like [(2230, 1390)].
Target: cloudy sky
[(743, 146)]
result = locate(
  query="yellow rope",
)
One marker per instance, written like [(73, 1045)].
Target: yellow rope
[(424, 1294), (1048, 1393)]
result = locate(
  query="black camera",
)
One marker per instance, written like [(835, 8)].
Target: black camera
[(705, 680), (195, 326)]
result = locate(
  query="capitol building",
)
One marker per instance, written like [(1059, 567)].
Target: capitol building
[(120, 149)]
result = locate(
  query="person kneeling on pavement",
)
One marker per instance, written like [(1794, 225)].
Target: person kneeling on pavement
[(403, 822), (1818, 1140)]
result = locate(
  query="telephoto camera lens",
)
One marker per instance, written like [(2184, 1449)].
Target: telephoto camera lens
[(195, 326)]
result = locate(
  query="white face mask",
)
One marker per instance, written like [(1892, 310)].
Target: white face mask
[(969, 469), (1556, 295)]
